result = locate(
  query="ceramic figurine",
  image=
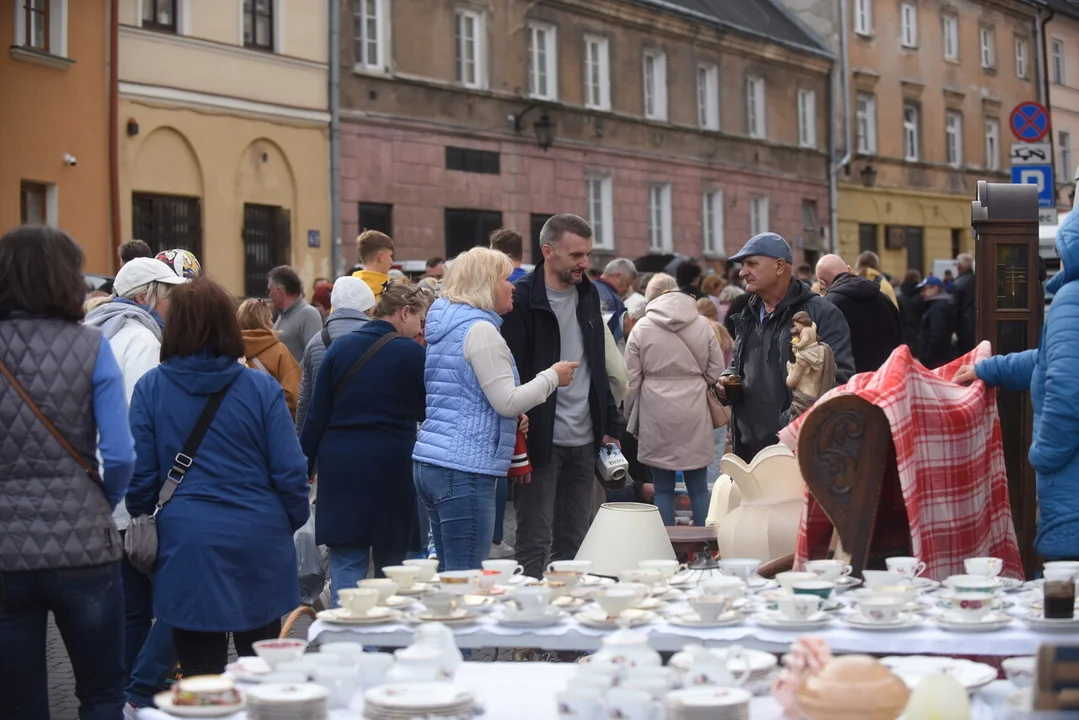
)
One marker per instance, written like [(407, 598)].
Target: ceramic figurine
[(852, 687), (811, 370), (807, 656)]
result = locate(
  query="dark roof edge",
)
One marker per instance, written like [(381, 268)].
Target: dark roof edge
[(797, 20), (738, 29), (1063, 8)]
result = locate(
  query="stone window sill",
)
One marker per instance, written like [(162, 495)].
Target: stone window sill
[(36, 57)]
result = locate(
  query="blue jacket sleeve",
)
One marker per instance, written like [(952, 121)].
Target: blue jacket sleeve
[(320, 407), (287, 465), (114, 434), (146, 481), (1056, 436), (1011, 372)]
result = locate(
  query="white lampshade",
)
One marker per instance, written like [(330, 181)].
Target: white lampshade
[(622, 535)]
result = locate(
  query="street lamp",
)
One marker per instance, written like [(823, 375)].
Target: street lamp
[(544, 127), (869, 176)]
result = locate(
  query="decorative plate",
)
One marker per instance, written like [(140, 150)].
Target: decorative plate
[(376, 616), (912, 669), (163, 701)]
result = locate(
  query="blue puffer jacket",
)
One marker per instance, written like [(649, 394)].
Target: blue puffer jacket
[(462, 431), (1051, 373)]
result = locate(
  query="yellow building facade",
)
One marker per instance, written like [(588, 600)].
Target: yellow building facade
[(224, 135)]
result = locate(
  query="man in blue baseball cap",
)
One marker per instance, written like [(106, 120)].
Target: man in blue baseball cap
[(763, 342), (938, 325)]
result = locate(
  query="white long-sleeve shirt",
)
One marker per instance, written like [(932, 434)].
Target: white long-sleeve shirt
[(490, 358)]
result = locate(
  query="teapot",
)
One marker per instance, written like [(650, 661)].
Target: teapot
[(438, 637), (627, 650), (713, 667), (417, 663)]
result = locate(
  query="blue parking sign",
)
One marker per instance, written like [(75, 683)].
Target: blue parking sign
[(1040, 175)]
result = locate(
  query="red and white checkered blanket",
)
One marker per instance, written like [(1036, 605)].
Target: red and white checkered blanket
[(950, 461)]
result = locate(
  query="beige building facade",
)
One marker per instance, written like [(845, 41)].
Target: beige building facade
[(224, 134)]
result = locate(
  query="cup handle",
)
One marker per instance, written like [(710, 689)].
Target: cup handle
[(847, 570), (920, 569), (518, 570)]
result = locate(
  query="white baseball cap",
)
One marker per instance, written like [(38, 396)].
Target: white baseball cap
[(141, 271)]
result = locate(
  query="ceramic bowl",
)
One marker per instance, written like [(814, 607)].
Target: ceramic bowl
[(1020, 670), (276, 652)]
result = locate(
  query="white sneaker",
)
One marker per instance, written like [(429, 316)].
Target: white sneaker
[(130, 712), (501, 551)]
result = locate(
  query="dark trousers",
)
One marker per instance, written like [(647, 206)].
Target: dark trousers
[(502, 491), (207, 653), (88, 604), (555, 509), (148, 653)]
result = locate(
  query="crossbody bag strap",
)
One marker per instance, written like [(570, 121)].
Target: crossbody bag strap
[(358, 365), (326, 339), (89, 469), (184, 459), (696, 360), (260, 365)]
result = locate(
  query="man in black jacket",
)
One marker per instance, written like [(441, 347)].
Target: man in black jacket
[(938, 325), (963, 299), (556, 316), (872, 318), (763, 344)]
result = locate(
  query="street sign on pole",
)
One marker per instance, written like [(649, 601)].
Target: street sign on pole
[(1031, 154), (1040, 175), (1029, 122)]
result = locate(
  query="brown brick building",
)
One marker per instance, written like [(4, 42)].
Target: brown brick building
[(672, 126)]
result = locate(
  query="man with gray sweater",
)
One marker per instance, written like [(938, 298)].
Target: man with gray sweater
[(297, 322)]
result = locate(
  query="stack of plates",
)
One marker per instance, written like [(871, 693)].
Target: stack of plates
[(411, 700), (708, 703), (277, 701)]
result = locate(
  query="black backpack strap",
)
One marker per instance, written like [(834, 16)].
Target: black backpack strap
[(186, 457), (358, 365), (326, 339)]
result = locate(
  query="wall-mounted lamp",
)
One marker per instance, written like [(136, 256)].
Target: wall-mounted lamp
[(132, 127), (544, 127), (869, 176)]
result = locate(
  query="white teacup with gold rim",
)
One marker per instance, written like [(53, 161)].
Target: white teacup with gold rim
[(508, 568), (459, 582), (570, 578), (428, 568), (358, 601), (910, 567), (404, 575), (987, 566), (385, 587), (830, 570)]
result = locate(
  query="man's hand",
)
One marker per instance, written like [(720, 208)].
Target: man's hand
[(522, 424), (721, 391), (522, 479), (965, 375), (648, 492), (608, 440)]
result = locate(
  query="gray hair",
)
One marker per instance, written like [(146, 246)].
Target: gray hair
[(965, 260), (621, 266), (155, 292), (557, 225), (659, 284)]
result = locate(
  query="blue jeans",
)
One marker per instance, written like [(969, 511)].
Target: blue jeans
[(88, 604), (696, 484), (461, 506), (720, 438), (349, 564), (502, 491), (149, 655)]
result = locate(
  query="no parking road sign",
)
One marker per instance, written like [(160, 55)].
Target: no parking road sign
[(1029, 122)]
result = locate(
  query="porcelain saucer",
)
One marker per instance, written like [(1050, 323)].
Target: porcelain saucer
[(597, 618), (926, 583), (249, 669), (397, 601), (596, 580), (990, 622), (478, 603), (164, 703), (904, 621), (459, 616), (691, 619), (776, 620), (650, 604), (375, 616), (1037, 621), (551, 616), (569, 604), (846, 582)]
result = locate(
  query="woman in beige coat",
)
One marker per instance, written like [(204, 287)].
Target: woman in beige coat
[(672, 357)]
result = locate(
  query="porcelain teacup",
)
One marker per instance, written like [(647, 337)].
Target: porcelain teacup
[(488, 579), (787, 579), (731, 587), (873, 578), (643, 577), (616, 599), (666, 568), (880, 608), (821, 588), (830, 570), (906, 593), (973, 583), (358, 601), (581, 566), (532, 601), (910, 567), (798, 607), (709, 607), (459, 582), (632, 705), (741, 568), (985, 566), (440, 603), (385, 586), (404, 575), (577, 703), (570, 578), (971, 606), (1062, 564), (508, 568), (557, 588), (428, 568)]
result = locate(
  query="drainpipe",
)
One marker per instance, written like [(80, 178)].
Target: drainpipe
[(833, 180), (1044, 97), (335, 136), (114, 125)]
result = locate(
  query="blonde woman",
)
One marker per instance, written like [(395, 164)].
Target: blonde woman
[(474, 404), (265, 352)]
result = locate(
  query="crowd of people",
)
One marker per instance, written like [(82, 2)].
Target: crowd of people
[(400, 413)]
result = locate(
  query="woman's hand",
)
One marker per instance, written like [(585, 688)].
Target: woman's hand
[(522, 424), (565, 372), (965, 375)]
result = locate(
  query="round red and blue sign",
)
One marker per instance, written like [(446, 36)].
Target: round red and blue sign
[(1030, 122)]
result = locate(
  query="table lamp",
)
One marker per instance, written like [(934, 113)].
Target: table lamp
[(622, 535)]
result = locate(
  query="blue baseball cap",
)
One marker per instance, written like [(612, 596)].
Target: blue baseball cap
[(766, 244), (931, 281)]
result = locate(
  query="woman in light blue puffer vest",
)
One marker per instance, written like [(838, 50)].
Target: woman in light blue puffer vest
[(474, 405)]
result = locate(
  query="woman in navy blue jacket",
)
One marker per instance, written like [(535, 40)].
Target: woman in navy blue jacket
[(226, 560), (362, 439)]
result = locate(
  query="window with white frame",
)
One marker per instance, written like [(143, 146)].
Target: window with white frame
[(989, 50), (470, 36), (908, 25), (951, 36), (755, 107), (807, 118), (866, 113), (659, 218), (1022, 51), (41, 25), (708, 97), (655, 85), (1058, 62), (911, 133), (1067, 164), (712, 222), (372, 34), (758, 215), (953, 137), (992, 144), (601, 211), (863, 17), (542, 61), (597, 73)]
